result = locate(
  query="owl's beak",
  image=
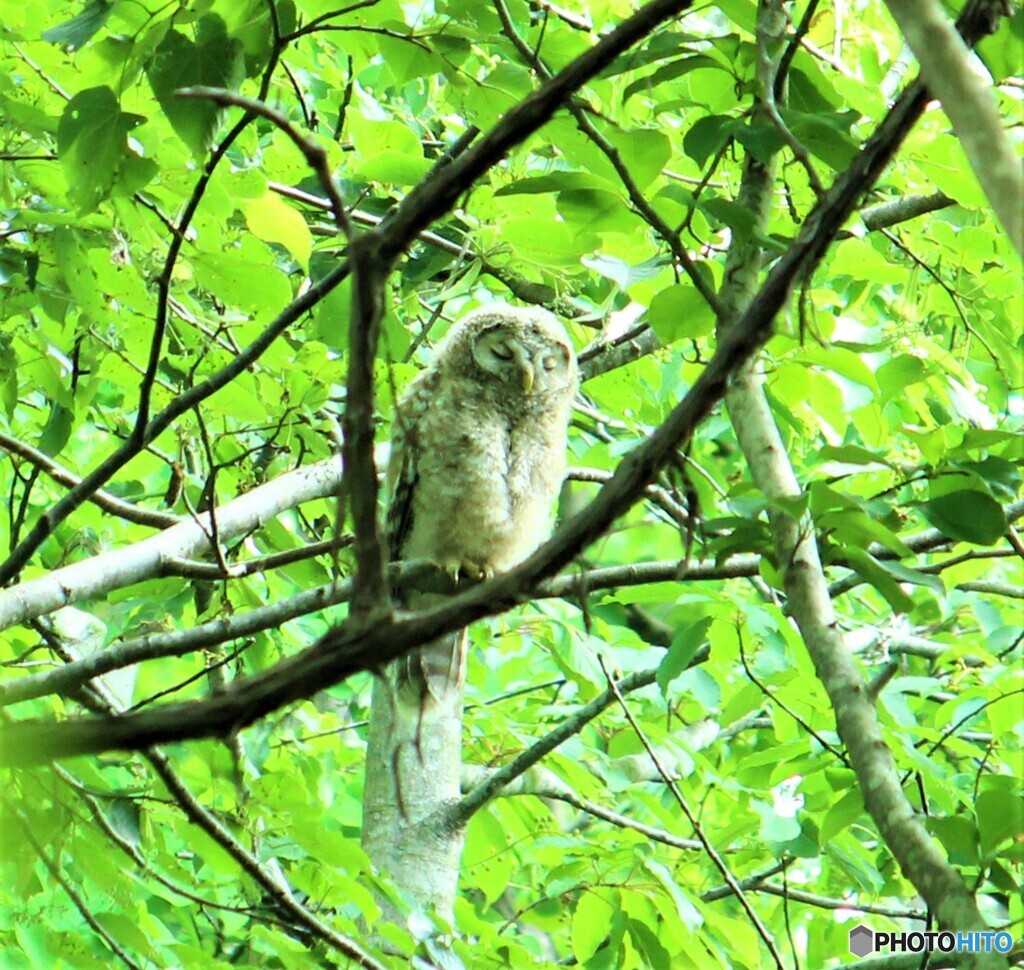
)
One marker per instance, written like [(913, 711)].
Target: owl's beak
[(526, 367), (527, 377)]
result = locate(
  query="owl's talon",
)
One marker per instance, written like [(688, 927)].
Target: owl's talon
[(477, 571), (452, 569)]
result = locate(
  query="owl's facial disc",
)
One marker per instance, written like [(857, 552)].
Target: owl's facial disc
[(529, 360)]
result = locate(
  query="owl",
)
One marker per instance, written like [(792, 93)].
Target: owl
[(478, 457)]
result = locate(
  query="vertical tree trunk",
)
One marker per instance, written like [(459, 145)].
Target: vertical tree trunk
[(413, 765)]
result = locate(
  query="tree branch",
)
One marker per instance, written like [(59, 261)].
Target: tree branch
[(969, 104), (711, 852), (314, 154), (359, 484), (49, 521), (882, 215), (105, 500), (419, 576), (436, 194), (809, 604), (458, 815), (543, 783), (142, 560), (52, 866)]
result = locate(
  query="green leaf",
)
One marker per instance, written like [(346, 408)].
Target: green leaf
[(74, 33), (592, 921), (214, 60), (825, 137), (57, 430), (851, 526), (273, 220), (685, 645), (678, 312), (556, 182), (967, 515), (246, 277), (708, 135), (1000, 817), (852, 455), (541, 241), (623, 273), (870, 569), (488, 841), (125, 818), (688, 914), (999, 474), (669, 72), (731, 214), (81, 280), (92, 145), (841, 815), (654, 954), (959, 837), (596, 210), (905, 574), (644, 152), (8, 376), (844, 362), (393, 168), (898, 373)]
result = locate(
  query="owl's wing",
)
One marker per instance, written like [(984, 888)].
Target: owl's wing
[(402, 479)]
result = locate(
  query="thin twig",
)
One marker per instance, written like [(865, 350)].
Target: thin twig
[(53, 868), (104, 500), (636, 197), (460, 813), (711, 851), (314, 154)]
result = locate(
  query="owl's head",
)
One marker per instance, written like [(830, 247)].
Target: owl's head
[(523, 352)]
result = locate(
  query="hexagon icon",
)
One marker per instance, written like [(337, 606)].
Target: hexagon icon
[(862, 941)]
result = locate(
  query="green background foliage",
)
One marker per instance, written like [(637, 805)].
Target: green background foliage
[(894, 377)]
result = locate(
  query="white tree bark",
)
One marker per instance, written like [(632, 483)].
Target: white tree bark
[(413, 776), (947, 69), (112, 570), (810, 606)]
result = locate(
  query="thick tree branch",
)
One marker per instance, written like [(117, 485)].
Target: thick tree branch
[(809, 604), (969, 104), (142, 560), (420, 576), (359, 485), (882, 215)]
